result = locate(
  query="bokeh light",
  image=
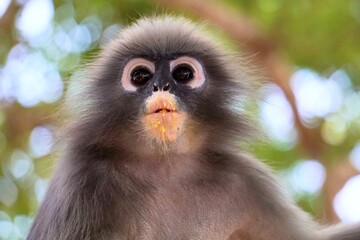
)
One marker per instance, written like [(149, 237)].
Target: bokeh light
[(28, 69), (346, 202), (41, 141), (40, 189), (109, 33), (9, 191), (21, 164), (35, 18), (13, 230), (277, 117), (316, 96), (355, 156), (334, 130), (3, 6), (22, 224), (306, 177), (6, 226)]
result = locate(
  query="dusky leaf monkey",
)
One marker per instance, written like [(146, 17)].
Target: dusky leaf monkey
[(152, 155)]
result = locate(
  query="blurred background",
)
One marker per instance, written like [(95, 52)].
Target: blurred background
[(308, 51)]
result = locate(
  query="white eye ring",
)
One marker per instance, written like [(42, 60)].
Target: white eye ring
[(199, 77), (128, 69)]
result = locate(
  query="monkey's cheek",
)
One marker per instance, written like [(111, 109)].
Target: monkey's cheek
[(164, 127)]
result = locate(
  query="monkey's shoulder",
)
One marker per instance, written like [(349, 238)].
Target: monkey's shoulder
[(238, 164)]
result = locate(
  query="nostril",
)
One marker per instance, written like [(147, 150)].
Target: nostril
[(155, 88), (166, 87)]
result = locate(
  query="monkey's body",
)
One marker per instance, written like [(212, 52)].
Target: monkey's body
[(135, 201), (152, 155)]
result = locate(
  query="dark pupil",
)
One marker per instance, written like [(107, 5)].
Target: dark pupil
[(140, 76), (183, 74)]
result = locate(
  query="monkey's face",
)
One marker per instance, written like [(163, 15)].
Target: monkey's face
[(163, 82)]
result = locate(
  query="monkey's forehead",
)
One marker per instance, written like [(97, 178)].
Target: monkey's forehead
[(162, 36)]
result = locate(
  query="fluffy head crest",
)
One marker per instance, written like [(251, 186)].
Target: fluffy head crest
[(162, 35)]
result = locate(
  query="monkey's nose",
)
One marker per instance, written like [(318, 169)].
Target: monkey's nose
[(166, 87)]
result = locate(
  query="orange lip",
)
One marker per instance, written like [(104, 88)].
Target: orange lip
[(162, 120), (161, 108), (161, 103)]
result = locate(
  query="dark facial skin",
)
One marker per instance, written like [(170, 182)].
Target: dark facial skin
[(154, 156)]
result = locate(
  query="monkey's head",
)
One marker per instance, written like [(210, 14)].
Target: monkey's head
[(162, 84)]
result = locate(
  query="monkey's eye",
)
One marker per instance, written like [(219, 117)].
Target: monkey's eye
[(188, 71), (140, 76), (136, 73), (183, 74)]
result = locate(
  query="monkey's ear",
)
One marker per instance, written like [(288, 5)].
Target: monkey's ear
[(137, 72), (188, 71)]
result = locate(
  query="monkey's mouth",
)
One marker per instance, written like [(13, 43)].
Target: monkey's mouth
[(162, 120), (162, 107), (163, 110)]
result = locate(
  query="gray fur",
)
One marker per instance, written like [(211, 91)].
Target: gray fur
[(113, 184)]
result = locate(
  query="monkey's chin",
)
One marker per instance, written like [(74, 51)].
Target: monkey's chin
[(164, 127)]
